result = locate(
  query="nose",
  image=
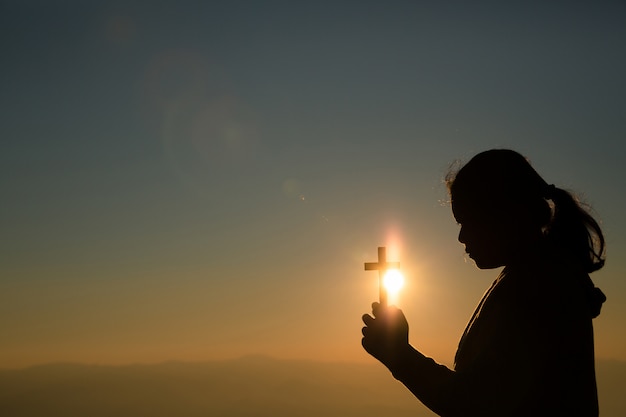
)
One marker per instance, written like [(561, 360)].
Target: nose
[(461, 236)]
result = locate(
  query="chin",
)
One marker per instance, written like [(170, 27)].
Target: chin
[(487, 266), (482, 263)]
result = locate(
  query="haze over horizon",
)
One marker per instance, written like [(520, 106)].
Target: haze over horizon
[(251, 386), (203, 180)]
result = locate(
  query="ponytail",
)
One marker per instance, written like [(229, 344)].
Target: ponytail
[(573, 229)]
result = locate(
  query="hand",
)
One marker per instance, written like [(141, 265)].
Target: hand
[(386, 334)]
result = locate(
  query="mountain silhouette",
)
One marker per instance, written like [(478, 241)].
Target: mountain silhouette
[(250, 386)]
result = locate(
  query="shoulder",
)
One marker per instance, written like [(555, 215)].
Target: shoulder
[(548, 284)]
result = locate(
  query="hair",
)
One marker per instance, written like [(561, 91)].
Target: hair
[(504, 178)]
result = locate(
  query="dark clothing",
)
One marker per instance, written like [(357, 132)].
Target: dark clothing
[(527, 351)]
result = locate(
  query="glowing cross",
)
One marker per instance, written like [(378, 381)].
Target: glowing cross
[(381, 266)]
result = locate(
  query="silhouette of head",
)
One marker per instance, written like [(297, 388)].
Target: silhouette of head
[(500, 202)]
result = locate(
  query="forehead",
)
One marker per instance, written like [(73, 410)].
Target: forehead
[(472, 210), (462, 209)]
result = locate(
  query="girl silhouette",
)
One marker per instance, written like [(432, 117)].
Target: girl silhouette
[(528, 348)]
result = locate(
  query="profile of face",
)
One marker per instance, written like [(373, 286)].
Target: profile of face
[(489, 240), (495, 233)]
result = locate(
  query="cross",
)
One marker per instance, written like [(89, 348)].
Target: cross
[(381, 266)]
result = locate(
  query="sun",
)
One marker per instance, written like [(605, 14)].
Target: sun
[(393, 282)]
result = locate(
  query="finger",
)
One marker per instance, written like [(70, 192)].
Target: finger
[(364, 331), (375, 308), (367, 319), (368, 346)]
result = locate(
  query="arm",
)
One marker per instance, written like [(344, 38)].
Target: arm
[(385, 337), (497, 380)]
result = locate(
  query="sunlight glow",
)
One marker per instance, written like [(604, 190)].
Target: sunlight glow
[(393, 282)]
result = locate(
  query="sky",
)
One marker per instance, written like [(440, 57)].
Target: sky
[(203, 180)]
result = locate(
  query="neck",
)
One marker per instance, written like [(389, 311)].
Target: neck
[(528, 250)]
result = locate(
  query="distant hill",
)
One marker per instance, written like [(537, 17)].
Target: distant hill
[(250, 386)]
